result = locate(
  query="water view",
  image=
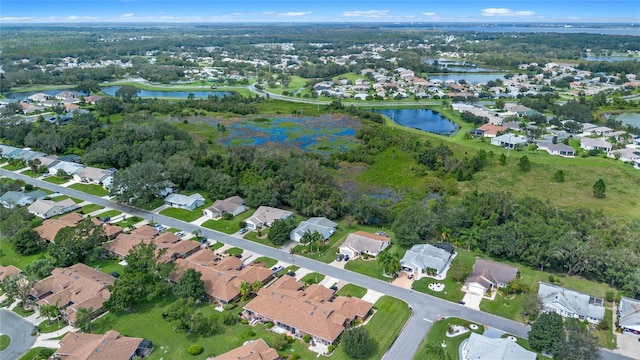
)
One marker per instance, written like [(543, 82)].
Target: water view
[(421, 119), (632, 119), (111, 90)]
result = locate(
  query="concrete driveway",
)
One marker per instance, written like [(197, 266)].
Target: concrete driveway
[(19, 330), (472, 301)]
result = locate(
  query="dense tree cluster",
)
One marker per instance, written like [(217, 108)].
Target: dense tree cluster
[(569, 339)]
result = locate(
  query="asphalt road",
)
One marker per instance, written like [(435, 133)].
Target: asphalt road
[(426, 308), (19, 331)]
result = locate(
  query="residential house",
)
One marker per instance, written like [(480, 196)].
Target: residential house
[(11, 199), (48, 208), (629, 315), (489, 275), (480, 347), (313, 311), (491, 131), (91, 175), (26, 155), (66, 167), (221, 277), (253, 350), (110, 345), (66, 96), (39, 97), (180, 201), (92, 99), (624, 154), (5, 150), (321, 225), (265, 216), (110, 231), (72, 288), (123, 243), (50, 227), (595, 144), (233, 205), (509, 141), (557, 149), (6, 271), (570, 303), (602, 131), (362, 242), (420, 258)]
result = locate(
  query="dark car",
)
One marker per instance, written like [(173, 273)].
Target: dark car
[(115, 274), (339, 257), (291, 273), (334, 288), (461, 302), (239, 256), (346, 258)]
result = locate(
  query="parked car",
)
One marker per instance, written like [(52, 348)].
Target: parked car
[(339, 257), (277, 268), (382, 233), (243, 231), (291, 273), (461, 302), (346, 258), (334, 288)]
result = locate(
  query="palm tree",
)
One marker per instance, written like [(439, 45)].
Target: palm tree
[(470, 237), (317, 238), (390, 262), (445, 233), (307, 239), (48, 311), (256, 286), (436, 352), (83, 318), (245, 289)]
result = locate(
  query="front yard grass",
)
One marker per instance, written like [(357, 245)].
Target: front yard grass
[(13, 167), (352, 291), (227, 226), (64, 197), (30, 173), (437, 335), (606, 338), (370, 268), (452, 289), (312, 278), (45, 327), (56, 180), (128, 222), (509, 307), (217, 245), (92, 189), (22, 312), (31, 354), (234, 251), (183, 214), (268, 262), (110, 214), (260, 239), (88, 209)]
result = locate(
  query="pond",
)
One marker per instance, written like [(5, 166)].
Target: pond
[(421, 119), (632, 119), (111, 90), (611, 58), (23, 95), (322, 134)]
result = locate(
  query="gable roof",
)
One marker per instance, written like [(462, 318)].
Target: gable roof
[(183, 200), (479, 347), (125, 242), (487, 273), (629, 313), (322, 225), (362, 241), (558, 298), (425, 256), (50, 227), (229, 204), (308, 310), (110, 346), (594, 142), (254, 350), (8, 271), (492, 129), (43, 207), (267, 215)]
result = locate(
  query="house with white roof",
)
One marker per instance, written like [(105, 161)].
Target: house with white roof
[(321, 225), (629, 314), (48, 208), (265, 216), (422, 257), (509, 141), (559, 149), (362, 242), (11, 199), (92, 175), (570, 303), (594, 144), (625, 154), (480, 347), (69, 168), (233, 205), (187, 202)]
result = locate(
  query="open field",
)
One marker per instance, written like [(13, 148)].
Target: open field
[(8, 256)]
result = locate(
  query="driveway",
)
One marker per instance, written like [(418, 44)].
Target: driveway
[(472, 301), (628, 345), (19, 330)]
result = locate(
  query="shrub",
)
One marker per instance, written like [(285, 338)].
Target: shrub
[(244, 321), (295, 357), (306, 338), (229, 306), (45, 353), (229, 319), (330, 348), (270, 324), (195, 350), (609, 296)]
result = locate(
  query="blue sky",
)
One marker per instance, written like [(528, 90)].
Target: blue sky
[(229, 11)]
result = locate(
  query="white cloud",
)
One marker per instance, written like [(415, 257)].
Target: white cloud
[(429, 14), (294, 13), (366, 14), (127, 15), (506, 12), (73, 17), (16, 18)]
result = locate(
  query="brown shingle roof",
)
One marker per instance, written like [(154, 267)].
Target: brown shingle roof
[(486, 273), (255, 350), (50, 227), (8, 271), (309, 311), (125, 242), (110, 346)]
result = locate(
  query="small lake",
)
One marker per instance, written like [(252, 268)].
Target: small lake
[(421, 119), (111, 90), (611, 58), (469, 77), (632, 119)]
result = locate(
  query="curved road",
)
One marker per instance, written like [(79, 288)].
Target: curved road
[(426, 308), (19, 331)]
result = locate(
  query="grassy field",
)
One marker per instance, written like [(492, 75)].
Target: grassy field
[(30, 173), (437, 335), (234, 251), (56, 180), (8, 256), (268, 262), (92, 189), (227, 226), (369, 268), (352, 290), (107, 266)]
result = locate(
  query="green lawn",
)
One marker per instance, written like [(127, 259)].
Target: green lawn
[(156, 203), (45, 327), (606, 338), (268, 262), (185, 215), (56, 180), (13, 167), (31, 354), (22, 312), (87, 209), (235, 251), (261, 239), (509, 307), (352, 290), (227, 226), (128, 222), (217, 245), (92, 189), (110, 213), (288, 269), (8, 256), (5, 340), (369, 268), (107, 266), (64, 197), (312, 278), (437, 334), (30, 173)]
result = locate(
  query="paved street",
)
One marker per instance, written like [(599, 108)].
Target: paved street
[(19, 331), (426, 308)]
